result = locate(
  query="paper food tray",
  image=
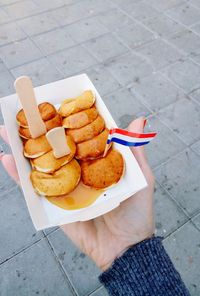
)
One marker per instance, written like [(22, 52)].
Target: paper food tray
[(43, 213)]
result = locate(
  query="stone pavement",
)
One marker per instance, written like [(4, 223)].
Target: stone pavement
[(144, 58)]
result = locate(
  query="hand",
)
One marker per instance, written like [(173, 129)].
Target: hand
[(107, 237), (7, 159)]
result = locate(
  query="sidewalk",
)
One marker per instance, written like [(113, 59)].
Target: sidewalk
[(144, 58)]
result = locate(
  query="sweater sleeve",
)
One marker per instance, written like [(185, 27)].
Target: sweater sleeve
[(144, 270)]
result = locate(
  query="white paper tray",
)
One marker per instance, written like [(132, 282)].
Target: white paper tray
[(43, 213)]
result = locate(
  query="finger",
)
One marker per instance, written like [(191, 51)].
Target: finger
[(139, 152), (3, 134), (9, 165), (137, 126)]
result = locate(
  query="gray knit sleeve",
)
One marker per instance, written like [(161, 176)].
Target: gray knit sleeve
[(144, 270)]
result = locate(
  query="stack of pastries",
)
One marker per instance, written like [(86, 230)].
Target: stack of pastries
[(88, 130), (50, 176), (86, 136)]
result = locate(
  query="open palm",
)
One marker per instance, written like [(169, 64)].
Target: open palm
[(108, 236)]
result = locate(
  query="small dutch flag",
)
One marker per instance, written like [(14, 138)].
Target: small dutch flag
[(129, 139)]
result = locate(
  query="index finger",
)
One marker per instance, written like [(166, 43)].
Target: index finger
[(3, 134)]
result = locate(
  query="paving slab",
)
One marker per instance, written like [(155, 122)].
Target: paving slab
[(94, 7), (54, 41), (196, 221), (195, 94), (37, 24), (26, 274), (141, 10), (124, 3), (49, 230), (166, 144), (82, 272), (18, 230), (186, 41), (185, 14), (196, 58), (7, 2), (18, 53), (163, 25), (22, 9), (6, 85), (127, 107), (40, 71), (196, 147), (4, 18), (196, 28), (86, 29), (156, 91), (134, 35), (71, 13), (184, 249), (10, 32), (168, 216), (72, 60), (164, 5), (2, 66), (100, 292), (114, 18), (186, 127), (129, 68), (105, 47), (159, 54), (46, 4), (104, 82), (185, 73), (181, 180), (195, 3)]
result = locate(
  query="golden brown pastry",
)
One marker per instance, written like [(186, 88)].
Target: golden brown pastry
[(50, 124), (93, 148), (103, 172), (61, 182), (80, 119), (87, 132), (47, 163), (53, 122), (47, 112), (82, 102), (36, 147)]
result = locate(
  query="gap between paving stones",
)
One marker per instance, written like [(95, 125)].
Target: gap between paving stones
[(60, 263), (168, 192), (22, 250), (70, 284)]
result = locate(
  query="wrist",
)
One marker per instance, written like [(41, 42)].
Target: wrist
[(107, 265)]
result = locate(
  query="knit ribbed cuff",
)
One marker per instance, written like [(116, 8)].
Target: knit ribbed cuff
[(144, 269)]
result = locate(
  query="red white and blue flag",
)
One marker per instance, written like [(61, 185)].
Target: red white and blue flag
[(130, 139)]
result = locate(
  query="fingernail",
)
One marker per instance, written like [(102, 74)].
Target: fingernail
[(1, 155)]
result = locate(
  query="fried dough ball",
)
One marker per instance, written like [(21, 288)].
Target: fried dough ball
[(87, 132), (103, 172)]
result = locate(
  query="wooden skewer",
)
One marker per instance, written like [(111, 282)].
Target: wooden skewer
[(25, 91), (106, 150), (57, 139)]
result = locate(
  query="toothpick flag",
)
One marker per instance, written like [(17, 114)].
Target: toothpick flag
[(130, 139), (126, 138)]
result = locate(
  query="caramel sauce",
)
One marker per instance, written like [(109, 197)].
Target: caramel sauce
[(80, 198)]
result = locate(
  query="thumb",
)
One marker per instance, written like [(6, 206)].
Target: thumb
[(137, 126)]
